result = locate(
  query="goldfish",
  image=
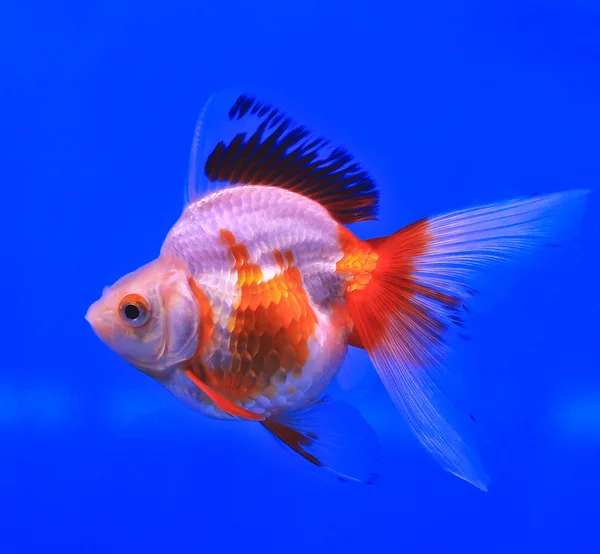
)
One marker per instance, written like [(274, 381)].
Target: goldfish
[(260, 289)]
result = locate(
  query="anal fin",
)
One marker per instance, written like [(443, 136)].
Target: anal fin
[(332, 435)]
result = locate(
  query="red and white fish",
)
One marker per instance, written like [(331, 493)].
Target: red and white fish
[(259, 288)]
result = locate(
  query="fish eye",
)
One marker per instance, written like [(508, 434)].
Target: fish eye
[(134, 310)]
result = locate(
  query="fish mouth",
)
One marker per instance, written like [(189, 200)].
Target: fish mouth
[(99, 319)]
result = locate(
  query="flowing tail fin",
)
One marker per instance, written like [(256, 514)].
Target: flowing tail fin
[(415, 295)]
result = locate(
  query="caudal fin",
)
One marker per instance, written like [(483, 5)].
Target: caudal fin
[(416, 294)]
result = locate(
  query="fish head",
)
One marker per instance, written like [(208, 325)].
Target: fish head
[(149, 317)]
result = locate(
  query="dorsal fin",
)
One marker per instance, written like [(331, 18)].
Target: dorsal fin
[(239, 140)]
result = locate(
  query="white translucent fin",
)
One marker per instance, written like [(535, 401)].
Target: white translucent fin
[(416, 300), (331, 435)]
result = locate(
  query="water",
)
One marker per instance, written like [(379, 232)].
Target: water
[(447, 105)]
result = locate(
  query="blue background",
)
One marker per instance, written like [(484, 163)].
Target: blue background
[(448, 104)]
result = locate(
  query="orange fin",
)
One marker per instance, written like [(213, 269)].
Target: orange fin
[(355, 340), (225, 404), (240, 140), (415, 298), (333, 436)]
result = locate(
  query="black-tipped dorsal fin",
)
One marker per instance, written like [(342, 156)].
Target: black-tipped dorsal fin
[(241, 141)]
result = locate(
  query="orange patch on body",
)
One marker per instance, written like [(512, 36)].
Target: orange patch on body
[(279, 258), (207, 323), (270, 329), (359, 260), (289, 257)]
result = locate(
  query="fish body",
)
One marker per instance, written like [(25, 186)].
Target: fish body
[(260, 288), (266, 264)]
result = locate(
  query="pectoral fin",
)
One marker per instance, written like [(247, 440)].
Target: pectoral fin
[(224, 403)]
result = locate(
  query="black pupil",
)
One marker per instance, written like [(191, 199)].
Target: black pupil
[(132, 311)]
